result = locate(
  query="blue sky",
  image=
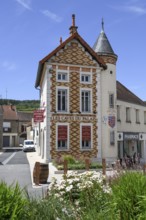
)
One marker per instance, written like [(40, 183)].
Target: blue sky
[(31, 29)]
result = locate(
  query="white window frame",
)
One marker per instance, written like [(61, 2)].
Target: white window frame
[(66, 72), (111, 105), (67, 98), (128, 114), (68, 140), (86, 124), (86, 74), (118, 113), (90, 90), (112, 137), (137, 116), (144, 117)]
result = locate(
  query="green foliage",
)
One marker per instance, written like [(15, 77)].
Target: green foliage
[(22, 105), (128, 191), (70, 159), (85, 196), (13, 203)]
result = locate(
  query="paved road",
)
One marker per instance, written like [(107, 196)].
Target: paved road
[(15, 168)]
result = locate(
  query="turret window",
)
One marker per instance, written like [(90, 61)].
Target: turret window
[(111, 100)]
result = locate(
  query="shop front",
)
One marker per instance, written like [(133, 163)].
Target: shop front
[(130, 143)]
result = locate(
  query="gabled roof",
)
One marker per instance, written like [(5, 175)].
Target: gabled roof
[(77, 37), (9, 112), (126, 95)]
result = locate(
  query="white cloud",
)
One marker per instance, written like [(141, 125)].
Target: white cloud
[(24, 3), (135, 9), (51, 15), (132, 6), (8, 65)]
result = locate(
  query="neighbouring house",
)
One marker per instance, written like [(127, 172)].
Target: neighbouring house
[(131, 123), (14, 126), (81, 100), (25, 121), (10, 126)]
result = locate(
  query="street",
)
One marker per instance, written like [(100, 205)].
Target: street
[(14, 167)]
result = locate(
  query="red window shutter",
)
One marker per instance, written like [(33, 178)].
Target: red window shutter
[(62, 133), (86, 133)]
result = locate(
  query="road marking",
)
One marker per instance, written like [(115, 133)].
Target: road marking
[(8, 159)]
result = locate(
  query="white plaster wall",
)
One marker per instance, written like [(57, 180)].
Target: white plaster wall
[(108, 85), (123, 126)]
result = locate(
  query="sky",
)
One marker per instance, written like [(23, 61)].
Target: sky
[(31, 29)]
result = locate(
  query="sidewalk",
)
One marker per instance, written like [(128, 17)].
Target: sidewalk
[(33, 157)]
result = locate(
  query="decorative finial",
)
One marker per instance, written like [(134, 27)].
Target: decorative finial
[(73, 28), (60, 40), (102, 23), (73, 20)]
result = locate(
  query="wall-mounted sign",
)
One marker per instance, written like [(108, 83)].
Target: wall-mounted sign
[(130, 136), (38, 115), (111, 121)]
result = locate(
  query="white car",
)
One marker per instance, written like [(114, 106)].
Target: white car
[(28, 145)]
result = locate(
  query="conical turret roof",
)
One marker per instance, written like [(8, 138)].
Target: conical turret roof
[(102, 44)]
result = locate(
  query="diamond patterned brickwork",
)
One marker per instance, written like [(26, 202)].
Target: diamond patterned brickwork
[(73, 54), (109, 59), (74, 140), (74, 91), (74, 59)]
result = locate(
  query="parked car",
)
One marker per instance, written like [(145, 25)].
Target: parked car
[(28, 145)]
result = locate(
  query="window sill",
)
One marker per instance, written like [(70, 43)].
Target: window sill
[(59, 112), (137, 122), (87, 149), (128, 121), (62, 149), (119, 120)]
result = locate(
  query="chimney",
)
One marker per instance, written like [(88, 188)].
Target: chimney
[(73, 28)]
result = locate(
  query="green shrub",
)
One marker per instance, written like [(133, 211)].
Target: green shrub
[(128, 190), (70, 159), (13, 202)]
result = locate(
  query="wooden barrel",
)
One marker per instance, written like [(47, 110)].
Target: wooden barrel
[(40, 173), (44, 173), (36, 172)]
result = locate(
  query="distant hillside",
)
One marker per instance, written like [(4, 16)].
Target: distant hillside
[(22, 105)]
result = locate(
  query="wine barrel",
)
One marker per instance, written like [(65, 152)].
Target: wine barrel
[(44, 173), (40, 173)]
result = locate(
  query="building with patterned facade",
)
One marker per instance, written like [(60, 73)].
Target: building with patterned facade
[(78, 95)]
